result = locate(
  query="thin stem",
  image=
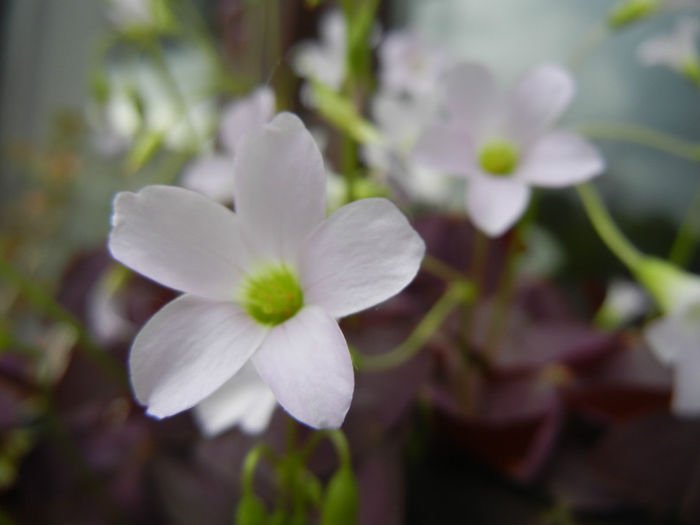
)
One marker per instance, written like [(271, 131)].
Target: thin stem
[(342, 447), (606, 228), (250, 464), (455, 294), (444, 271), (349, 162), (687, 237), (592, 38), (635, 134), (43, 302)]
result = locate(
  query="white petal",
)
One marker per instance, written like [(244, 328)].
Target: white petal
[(306, 363), (180, 239), (448, 148), (361, 255), (245, 116), (280, 186), (188, 350), (472, 97), (561, 159), (667, 339), (538, 100), (494, 204), (210, 175), (243, 400), (686, 388)]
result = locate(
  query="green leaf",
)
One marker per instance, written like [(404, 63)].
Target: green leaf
[(251, 510), (341, 501)]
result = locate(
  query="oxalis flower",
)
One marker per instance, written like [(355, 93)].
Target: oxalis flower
[(677, 50), (504, 145), (262, 286)]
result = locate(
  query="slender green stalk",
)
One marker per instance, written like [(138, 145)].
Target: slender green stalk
[(349, 162), (635, 134), (592, 39), (250, 464), (606, 228), (342, 447), (687, 237), (444, 271), (46, 304), (455, 294)]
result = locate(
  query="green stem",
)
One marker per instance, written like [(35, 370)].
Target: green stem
[(439, 269), (250, 464), (455, 294), (635, 134), (687, 237), (342, 447), (606, 228), (43, 302), (349, 163), (592, 38)]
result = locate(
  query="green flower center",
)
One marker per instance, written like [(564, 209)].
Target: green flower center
[(272, 294), (498, 157)]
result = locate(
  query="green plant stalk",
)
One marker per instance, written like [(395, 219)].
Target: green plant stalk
[(643, 136), (606, 228), (687, 237), (456, 293)]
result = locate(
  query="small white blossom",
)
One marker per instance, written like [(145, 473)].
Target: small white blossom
[(408, 65), (677, 50), (675, 341), (324, 61), (131, 13), (263, 285), (211, 174), (504, 145)]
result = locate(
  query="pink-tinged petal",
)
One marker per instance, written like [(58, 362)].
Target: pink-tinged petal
[(361, 255), (211, 175), (187, 350), (244, 400), (472, 97), (179, 238), (538, 100), (447, 148), (245, 116), (279, 187), (560, 159), (306, 363), (686, 387), (495, 204)]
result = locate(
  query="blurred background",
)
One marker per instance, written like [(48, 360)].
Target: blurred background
[(94, 100)]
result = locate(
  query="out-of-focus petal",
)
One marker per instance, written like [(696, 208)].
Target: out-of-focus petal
[(495, 204), (244, 400), (245, 116), (361, 255), (306, 363), (210, 175), (537, 101), (448, 148), (188, 350), (560, 159), (472, 98)]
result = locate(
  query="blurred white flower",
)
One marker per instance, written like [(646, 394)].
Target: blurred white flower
[(140, 102), (401, 119), (131, 13), (676, 50), (504, 145), (263, 285), (408, 65), (212, 173), (625, 301), (675, 341), (324, 61)]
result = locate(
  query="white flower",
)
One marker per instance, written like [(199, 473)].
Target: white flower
[(263, 285), (408, 65), (211, 174), (504, 145), (677, 50), (675, 341), (624, 302), (401, 120), (324, 61)]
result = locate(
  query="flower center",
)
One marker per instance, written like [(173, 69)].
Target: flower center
[(498, 157), (272, 295)]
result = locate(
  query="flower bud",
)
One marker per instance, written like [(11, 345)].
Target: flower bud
[(340, 503)]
